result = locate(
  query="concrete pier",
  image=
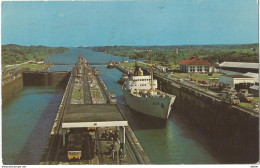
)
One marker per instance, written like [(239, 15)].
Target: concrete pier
[(87, 109)]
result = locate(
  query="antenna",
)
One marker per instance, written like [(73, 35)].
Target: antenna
[(151, 66)]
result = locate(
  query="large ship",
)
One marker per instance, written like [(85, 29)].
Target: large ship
[(110, 64), (142, 95)]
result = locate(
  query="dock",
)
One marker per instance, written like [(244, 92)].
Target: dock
[(208, 111), (88, 111), (187, 85)]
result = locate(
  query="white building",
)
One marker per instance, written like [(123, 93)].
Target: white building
[(253, 75), (194, 64), (236, 81), (161, 68)]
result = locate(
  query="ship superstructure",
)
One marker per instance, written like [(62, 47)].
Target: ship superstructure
[(142, 95)]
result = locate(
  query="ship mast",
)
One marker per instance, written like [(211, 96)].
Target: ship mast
[(151, 78), (151, 65)]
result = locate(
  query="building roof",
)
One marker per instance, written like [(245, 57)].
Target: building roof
[(240, 65), (237, 76), (93, 115), (254, 87), (253, 75), (194, 60)]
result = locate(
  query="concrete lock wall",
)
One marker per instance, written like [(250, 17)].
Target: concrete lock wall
[(56, 79), (229, 130), (16, 82), (11, 86)]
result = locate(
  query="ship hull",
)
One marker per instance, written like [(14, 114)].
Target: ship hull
[(156, 107), (110, 66)]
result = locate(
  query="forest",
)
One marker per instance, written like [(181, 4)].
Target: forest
[(14, 54), (174, 54)]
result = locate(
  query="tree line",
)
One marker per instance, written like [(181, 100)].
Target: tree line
[(174, 54), (13, 54)]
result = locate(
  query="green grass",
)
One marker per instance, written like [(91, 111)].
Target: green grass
[(96, 94), (246, 105), (174, 66), (32, 67), (76, 94), (201, 77), (256, 100)]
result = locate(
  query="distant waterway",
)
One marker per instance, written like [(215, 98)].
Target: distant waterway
[(72, 55), (27, 119)]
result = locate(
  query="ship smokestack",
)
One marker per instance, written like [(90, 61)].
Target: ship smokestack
[(140, 72)]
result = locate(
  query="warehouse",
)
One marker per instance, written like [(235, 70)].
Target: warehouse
[(253, 75), (240, 67), (236, 81)]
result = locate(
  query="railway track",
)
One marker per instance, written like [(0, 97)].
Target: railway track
[(252, 112), (99, 148), (56, 138), (55, 152), (130, 152), (137, 154), (188, 86), (88, 97), (86, 86), (103, 89)]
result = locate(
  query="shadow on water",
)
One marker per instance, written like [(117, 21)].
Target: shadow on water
[(173, 138), (32, 151), (192, 132), (212, 144)]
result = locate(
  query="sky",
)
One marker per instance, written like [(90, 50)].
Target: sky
[(134, 23)]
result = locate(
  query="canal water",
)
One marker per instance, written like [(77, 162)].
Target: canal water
[(28, 118), (171, 142)]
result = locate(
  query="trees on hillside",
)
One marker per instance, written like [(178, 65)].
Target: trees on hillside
[(12, 54)]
